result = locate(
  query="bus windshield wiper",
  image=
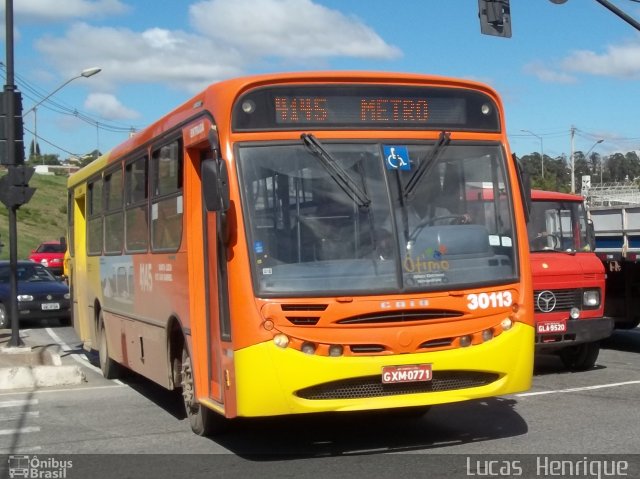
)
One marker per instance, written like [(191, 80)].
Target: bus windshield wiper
[(427, 163), (336, 171)]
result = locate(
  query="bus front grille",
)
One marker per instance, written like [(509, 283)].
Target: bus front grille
[(371, 386)]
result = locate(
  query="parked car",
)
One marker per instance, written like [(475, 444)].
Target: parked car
[(40, 294), (51, 255)]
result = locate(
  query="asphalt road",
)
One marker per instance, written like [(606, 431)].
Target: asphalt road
[(585, 414)]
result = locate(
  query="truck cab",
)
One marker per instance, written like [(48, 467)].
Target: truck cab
[(568, 280)]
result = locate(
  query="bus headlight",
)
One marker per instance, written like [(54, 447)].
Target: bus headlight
[(465, 341), (335, 350), (281, 340), (308, 347), (591, 298), (574, 313), (506, 324), (487, 334)]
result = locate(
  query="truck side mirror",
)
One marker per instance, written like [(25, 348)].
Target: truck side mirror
[(525, 187), (591, 235)]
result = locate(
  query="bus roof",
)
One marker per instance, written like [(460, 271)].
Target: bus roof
[(219, 99), (541, 195)]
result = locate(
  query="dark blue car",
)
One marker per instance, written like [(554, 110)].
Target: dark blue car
[(40, 294)]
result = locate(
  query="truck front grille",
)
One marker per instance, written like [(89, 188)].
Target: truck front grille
[(548, 300)]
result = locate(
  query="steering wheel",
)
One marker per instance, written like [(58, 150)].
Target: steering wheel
[(543, 241), (456, 219)]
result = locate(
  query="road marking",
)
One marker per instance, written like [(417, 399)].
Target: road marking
[(19, 450), (81, 358), (13, 417), (20, 430), (19, 402), (573, 390), (75, 389)]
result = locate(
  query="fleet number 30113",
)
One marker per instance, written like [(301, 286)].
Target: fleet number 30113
[(497, 299)]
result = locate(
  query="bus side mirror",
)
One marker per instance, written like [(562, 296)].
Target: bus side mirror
[(215, 185)]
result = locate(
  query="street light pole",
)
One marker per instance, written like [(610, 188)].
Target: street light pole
[(86, 73), (541, 150), (586, 156)]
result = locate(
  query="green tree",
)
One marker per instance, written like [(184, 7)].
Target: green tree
[(34, 152)]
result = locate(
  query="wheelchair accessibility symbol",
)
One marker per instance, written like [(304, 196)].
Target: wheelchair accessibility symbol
[(396, 157)]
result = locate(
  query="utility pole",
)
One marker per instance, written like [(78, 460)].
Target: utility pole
[(573, 162), (14, 186)]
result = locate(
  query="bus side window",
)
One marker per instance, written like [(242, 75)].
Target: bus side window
[(167, 207)]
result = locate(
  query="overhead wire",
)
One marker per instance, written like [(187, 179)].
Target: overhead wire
[(36, 94)]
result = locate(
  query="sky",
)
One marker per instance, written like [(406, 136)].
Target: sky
[(568, 67)]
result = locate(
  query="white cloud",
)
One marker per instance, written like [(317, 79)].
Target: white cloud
[(229, 39), (109, 107), (295, 29), (156, 55), (546, 74), (55, 10), (620, 61)]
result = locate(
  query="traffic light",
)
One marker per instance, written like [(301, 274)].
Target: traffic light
[(495, 17), (7, 123), (14, 186)]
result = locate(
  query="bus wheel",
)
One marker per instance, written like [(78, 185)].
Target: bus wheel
[(110, 368), (204, 421), (581, 357)]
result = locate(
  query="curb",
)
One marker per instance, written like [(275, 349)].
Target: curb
[(29, 377)]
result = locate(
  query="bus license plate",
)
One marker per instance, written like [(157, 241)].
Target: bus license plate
[(406, 374), (50, 306), (552, 327)]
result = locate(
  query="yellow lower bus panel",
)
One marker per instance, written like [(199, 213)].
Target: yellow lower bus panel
[(277, 381)]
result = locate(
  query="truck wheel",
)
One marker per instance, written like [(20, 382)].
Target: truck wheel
[(581, 357), (204, 421), (628, 324)]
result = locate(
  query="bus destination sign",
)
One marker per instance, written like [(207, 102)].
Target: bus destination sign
[(364, 107)]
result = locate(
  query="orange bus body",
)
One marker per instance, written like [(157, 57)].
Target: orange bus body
[(230, 305)]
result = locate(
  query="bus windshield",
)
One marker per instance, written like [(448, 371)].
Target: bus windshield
[(558, 226), (309, 233)]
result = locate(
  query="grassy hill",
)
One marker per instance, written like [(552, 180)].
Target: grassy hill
[(43, 218)]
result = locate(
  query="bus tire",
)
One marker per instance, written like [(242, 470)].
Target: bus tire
[(203, 421), (110, 369), (580, 357)]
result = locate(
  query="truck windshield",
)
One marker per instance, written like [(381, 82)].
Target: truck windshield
[(558, 226), (308, 235)]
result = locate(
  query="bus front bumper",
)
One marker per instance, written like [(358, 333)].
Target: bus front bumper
[(275, 381)]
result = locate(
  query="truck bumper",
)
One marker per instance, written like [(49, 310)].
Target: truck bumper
[(579, 331)]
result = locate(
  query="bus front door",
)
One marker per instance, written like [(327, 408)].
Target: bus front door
[(218, 329)]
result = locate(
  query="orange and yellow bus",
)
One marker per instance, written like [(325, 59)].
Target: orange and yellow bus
[(309, 242)]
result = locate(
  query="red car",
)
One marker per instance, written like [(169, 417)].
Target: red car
[(51, 255)]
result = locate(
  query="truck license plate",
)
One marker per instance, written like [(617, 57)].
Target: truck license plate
[(551, 327), (406, 374), (50, 306)]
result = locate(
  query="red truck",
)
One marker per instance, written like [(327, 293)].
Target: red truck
[(568, 280)]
